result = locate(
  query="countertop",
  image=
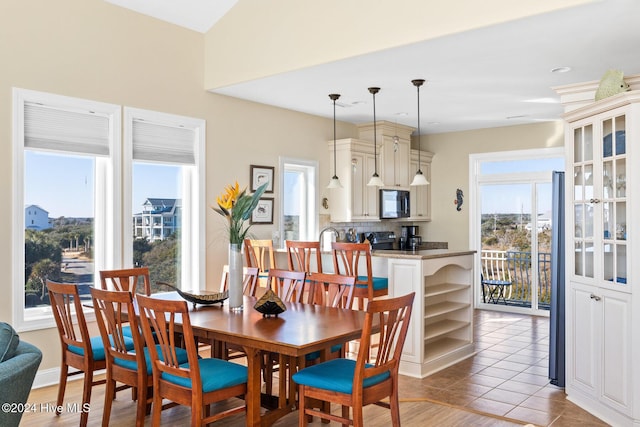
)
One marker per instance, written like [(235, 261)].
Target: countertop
[(423, 254)]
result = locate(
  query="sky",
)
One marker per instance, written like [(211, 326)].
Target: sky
[(63, 185)]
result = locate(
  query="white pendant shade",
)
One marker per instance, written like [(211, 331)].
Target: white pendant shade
[(375, 181), (419, 179), (334, 183)]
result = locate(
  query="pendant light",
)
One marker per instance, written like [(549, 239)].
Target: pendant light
[(375, 178), (335, 181), (419, 178)]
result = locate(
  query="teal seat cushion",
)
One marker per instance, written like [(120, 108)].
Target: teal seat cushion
[(316, 354), (379, 283), (9, 341), (98, 348), (334, 375), (216, 374), (181, 354)]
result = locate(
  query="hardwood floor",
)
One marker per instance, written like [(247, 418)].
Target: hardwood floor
[(504, 384)]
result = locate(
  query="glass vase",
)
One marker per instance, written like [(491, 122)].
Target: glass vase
[(235, 276)]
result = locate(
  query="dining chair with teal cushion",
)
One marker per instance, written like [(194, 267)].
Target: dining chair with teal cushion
[(135, 280), (331, 290), (127, 358), (79, 350), (354, 259), (196, 383), (356, 383)]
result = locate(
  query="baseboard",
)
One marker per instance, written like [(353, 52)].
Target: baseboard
[(48, 377)]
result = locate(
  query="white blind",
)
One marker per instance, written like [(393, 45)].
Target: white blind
[(80, 132), (163, 143)]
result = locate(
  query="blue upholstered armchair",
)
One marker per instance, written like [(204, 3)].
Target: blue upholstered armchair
[(19, 363)]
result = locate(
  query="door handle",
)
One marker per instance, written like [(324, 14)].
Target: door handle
[(594, 200), (595, 297)]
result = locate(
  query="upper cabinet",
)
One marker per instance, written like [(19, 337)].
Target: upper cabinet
[(394, 146), (420, 197), (355, 201), (356, 163)]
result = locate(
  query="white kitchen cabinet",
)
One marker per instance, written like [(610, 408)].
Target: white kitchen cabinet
[(441, 328), (394, 160), (420, 197), (355, 201), (602, 302), (394, 148)]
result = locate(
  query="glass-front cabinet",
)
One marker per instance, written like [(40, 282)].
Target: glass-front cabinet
[(602, 308), (600, 199)]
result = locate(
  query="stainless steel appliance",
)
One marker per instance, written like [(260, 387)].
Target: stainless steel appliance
[(394, 204)]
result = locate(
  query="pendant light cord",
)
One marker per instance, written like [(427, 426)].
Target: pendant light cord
[(417, 83), (373, 91), (334, 97)]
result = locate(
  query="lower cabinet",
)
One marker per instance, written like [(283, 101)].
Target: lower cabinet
[(441, 328), (599, 377)]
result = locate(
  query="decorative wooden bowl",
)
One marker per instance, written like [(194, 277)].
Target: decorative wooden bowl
[(201, 296)]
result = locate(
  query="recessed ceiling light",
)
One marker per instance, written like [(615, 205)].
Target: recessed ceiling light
[(516, 117), (561, 70), (358, 102)]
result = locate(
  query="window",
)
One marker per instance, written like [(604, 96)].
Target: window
[(65, 158), (70, 196), (164, 168), (299, 189)]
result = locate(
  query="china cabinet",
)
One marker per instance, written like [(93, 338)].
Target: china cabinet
[(601, 165), (420, 202)]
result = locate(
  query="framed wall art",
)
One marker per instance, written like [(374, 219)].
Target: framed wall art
[(263, 213), (260, 175)]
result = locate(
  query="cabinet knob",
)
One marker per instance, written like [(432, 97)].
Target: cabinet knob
[(595, 297), (594, 200)]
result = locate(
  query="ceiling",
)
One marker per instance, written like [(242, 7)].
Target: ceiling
[(494, 76)]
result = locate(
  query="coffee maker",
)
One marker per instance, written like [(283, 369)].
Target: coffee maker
[(409, 238)]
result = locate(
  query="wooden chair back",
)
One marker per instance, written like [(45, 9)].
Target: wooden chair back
[(393, 316), (134, 280), (259, 253), (160, 320), (249, 282), (304, 256), (347, 260), (77, 350), (332, 290), (115, 312), (288, 285)]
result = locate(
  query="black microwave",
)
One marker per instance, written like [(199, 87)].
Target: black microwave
[(394, 204)]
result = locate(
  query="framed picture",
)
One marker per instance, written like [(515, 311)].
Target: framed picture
[(260, 175), (263, 213)]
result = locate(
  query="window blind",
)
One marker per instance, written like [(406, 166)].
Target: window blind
[(81, 132), (163, 143)]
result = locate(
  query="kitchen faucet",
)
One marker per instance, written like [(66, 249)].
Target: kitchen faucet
[(336, 232)]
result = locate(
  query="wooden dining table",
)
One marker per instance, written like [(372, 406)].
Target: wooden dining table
[(301, 329)]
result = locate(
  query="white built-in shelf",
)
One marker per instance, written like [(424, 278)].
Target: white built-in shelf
[(435, 349), (444, 308), (443, 327), (443, 288)]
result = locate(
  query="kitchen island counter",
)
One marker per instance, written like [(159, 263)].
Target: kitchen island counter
[(422, 254)]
